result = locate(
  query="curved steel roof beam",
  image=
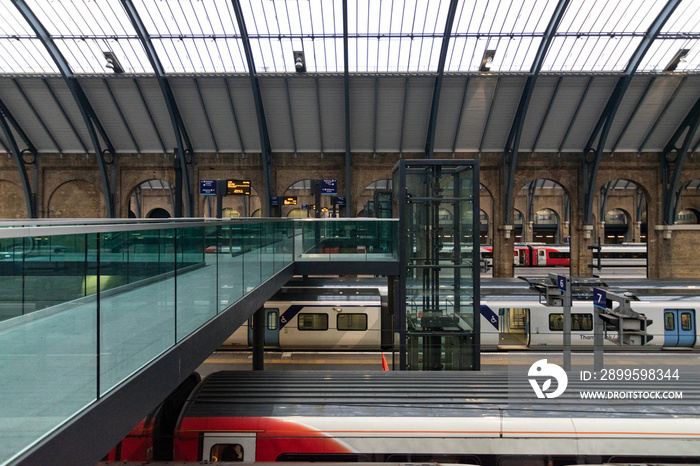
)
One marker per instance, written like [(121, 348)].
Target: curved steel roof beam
[(591, 156), (432, 121), (346, 79), (672, 167), (510, 153), (8, 123), (92, 123), (265, 147), (184, 146)]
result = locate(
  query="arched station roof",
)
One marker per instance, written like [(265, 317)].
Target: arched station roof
[(353, 76)]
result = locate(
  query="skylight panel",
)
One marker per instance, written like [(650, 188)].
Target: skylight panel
[(396, 35), (513, 29), (194, 36), (20, 51), (677, 47), (85, 30), (279, 28), (599, 35)]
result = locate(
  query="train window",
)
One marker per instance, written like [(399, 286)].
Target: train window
[(534, 460), (352, 322), (272, 318), (579, 322), (226, 452), (669, 321), (686, 321), (313, 322)]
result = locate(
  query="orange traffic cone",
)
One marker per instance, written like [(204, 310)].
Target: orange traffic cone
[(385, 366)]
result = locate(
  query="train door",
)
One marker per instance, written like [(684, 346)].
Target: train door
[(272, 328), (541, 257), (226, 446), (513, 327), (679, 327)]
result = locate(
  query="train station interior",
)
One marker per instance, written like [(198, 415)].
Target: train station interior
[(173, 167)]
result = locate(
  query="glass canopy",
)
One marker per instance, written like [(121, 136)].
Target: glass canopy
[(203, 36)]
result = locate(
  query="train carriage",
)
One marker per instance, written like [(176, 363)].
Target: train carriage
[(419, 417)]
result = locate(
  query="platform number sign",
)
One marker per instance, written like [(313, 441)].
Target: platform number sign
[(561, 283), (600, 298)]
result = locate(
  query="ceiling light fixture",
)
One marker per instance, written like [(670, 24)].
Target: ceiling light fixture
[(487, 60), (113, 63), (299, 61), (677, 59)]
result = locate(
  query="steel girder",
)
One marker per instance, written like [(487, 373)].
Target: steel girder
[(430, 138), (346, 78), (265, 147), (92, 123), (672, 166), (591, 156), (510, 154), (184, 152), (8, 123)]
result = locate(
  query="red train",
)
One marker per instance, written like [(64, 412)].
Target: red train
[(390, 417), (552, 255)]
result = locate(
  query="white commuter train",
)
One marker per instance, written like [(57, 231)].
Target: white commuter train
[(316, 319)]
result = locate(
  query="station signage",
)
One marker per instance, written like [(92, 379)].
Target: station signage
[(274, 200), (289, 200), (207, 187), (600, 298), (329, 186), (338, 201), (238, 187)]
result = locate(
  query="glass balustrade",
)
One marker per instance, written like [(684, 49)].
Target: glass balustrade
[(84, 304)]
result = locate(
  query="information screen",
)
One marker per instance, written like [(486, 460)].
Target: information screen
[(238, 187)]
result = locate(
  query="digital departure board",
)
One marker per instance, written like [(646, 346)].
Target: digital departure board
[(290, 200), (238, 187)]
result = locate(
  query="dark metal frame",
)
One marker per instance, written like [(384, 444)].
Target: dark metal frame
[(399, 296), (432, 121), (510, 154), (346, 81), (671, 168), (265, 147), (92, 122), (592, 156), (184, 151)]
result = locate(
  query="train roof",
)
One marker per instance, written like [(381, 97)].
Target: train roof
[(411, 394), (366, 295)]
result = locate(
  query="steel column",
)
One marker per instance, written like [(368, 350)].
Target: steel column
[(184, 150), (510, 154), (265, 147), (672, 167), (92, 123), (346, 78), (592, 156), (432, 121)]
